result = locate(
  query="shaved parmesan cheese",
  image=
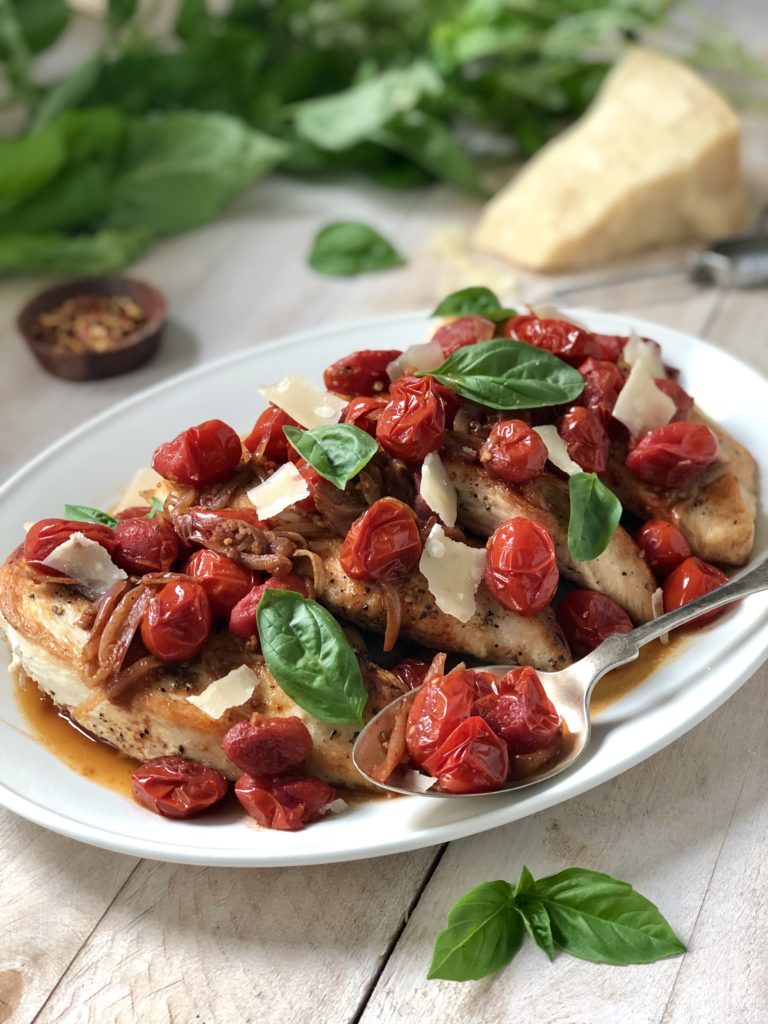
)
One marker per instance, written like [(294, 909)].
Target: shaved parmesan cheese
[(145, 484), (641, 406), (657, 607), (557, 452), (285, 487), (230, 691), (304, 402), (548, 312), (437, 490), (417, 357), (87, 562), (416, 780), (639, 351), (453, 572), (335, 806)]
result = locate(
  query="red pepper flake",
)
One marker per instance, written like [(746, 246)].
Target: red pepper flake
[(89, 323)]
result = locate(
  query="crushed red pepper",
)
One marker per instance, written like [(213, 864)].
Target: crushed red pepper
[(89, 323)]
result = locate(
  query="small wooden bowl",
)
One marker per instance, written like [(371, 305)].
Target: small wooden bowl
[(128, 354)]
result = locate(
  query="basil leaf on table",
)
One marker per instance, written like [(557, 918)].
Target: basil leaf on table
[(534, 913), (86, 514), (474, 302), (338, 451), (310, 658), (595, 514), (347, 247), (484, 932), (506, 374)]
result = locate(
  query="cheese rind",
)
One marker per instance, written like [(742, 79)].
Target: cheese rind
[(453, 572), (87, 562), (304, 401), (230, 691)]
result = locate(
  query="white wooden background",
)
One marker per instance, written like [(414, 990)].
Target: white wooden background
[(96, 937)]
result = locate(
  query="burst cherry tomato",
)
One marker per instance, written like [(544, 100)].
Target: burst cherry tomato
[(612, 345), (587, 618), (673, 456), (224, 581), (466, 330), (47, 534), (361, 373), (691, 579), (683, 401), (412, 423), (451, 401), (284, 802), (177, 788), (603, 381), (571, 343), (383, 543), (267, 437), (134, 512), (436, 711), (178, 621), (473, 759), (411, 672), (514, 452), (521, 568), (203, 455), (268, 746), (664, 546), (242, 620), (364, 413), (585, 438), (145, 545), (311, 478), (520, 712)]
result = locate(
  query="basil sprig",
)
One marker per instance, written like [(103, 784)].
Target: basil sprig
[(86, 514), (474, 302), (156, 506), (595, 514), (347, 248), (338, 452), (506, 374), (585, 913), (310, 658)]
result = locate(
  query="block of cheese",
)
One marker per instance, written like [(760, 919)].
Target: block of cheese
[(655, 159)]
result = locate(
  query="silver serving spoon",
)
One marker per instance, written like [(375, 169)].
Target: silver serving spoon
[(569, 690)]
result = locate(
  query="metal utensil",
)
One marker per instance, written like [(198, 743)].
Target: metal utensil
[(569, 690)]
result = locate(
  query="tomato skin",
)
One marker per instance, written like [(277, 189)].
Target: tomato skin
[(363, 413), (663, 545), (603, 381), (587, 618), (466, 330), (612, 345), (383, 543), (361, 373), (177, 788), (521, 567), (570, 343), (284, 802), (312, 478), (520, 712), (451, 401), (134, 512), (267, 434), (683, 401), (242, 619), (473, 759), (437, 709), (585, 438), (268, 746), (412, 423), (691, 579), (514, 452), (673, 456), (224, 581), (145, 545), (411, 672), (47, 534), (200, 456), (178, 621)]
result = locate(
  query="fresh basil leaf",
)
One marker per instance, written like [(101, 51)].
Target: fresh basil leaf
[(533, 912), (595, 514), (155, 507), (121, 11), (29, 163), (310, 658), (86, 514), (430, 143), (347, 248), (484, 932), (41, 21), (57, 253), (476, 301), (338, 452), (595, 917), (506, 374), (67, 92)]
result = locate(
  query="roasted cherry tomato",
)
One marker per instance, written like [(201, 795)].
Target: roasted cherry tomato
[(673, 456), (451, 401), (242, 620), (442, 704), (224, 581), (364, 413), (145, 545), (383, 543), (567, 341), (284, 802), (587, 618), (203, 455), (362, 373), (268, 746), (514, 452), (466, 330), (412, 423), (521, 568), (612, 345), (47, 534), (585, 438), (411, 672), (664, 546), (603, 381), (178, 621), (267, 438), (473, 759), (683, 401), (691, 579), (520, 712), (312, 479), (133, 512), (177, 788)]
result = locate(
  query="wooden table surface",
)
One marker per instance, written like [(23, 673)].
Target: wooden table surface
[(97, 937)]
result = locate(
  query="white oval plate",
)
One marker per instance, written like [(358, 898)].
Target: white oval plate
[(93, 464)]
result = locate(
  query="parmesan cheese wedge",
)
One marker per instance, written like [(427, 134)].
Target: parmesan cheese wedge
[(641, 405), (86, 561), (453, 572), (285, 487), (304, 401), (655, 159), (230, 691), (557, 452), (437, 490)]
